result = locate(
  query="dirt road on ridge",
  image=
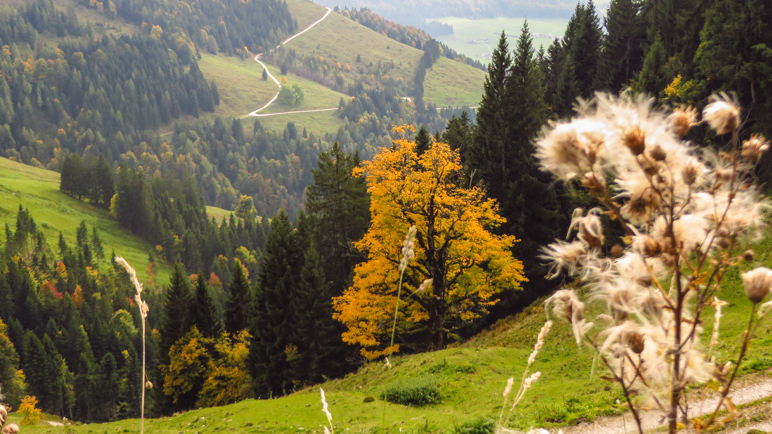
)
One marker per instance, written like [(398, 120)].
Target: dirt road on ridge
[(257, 59)]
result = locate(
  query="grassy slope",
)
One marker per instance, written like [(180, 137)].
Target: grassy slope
[(340, 39), (54, 211), (239, 83), (448, 85), (471, 376)]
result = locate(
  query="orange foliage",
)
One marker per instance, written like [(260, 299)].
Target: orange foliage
[(454, 246)]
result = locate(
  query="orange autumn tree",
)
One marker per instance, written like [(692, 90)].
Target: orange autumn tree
[(454, 247)]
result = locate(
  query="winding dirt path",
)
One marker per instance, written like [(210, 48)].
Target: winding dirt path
[(257, 59), (755, 390)]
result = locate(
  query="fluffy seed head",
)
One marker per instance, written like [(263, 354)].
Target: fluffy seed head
[(722, 114), (634, 341), (754, 147), (11, 429), (657, 153), (757, 283), (635, 140), (691, 171), (683, 119)]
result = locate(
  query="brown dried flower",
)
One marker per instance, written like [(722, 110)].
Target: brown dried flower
[(635, 140), (754, 147), (757, 283), (722, 114), (683, 119)]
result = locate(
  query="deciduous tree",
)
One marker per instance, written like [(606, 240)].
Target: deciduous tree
[(454, 247)]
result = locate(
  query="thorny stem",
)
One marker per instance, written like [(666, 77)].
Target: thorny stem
[(625, 388), (750, 332)]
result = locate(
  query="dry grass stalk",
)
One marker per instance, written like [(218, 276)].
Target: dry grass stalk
[(143, 310), (685, 211)]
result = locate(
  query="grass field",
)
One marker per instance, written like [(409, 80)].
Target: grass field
[(305, 12), (239, 83), (447, 85), (54, 211), (465, 30), (339, 39), (471, 377), (243, 90)]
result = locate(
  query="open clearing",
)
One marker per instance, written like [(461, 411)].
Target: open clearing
[(465, 30)]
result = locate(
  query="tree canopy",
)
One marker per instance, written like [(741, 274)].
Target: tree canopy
[(454, 246)]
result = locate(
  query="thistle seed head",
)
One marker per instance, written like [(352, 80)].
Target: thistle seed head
[(757, 283), (683, 119), (635, 140), (634, 341), (754, 148), (657, 153), (11, 429), (722, 114)]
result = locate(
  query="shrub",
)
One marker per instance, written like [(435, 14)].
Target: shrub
[(30, 413), (414, 392), (480, 425)]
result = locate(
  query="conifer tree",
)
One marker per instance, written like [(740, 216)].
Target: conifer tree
[(237, 309), (271, 347), (531, 204), (204, 313), (487, 153), (458, 134), (339, 211), (175, 320), (502, 153), (316, 335), (622, 53), (579, 69), (422, 140)]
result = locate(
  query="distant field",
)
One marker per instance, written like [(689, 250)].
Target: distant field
[(54, 211), (465, 30), (448, 85)]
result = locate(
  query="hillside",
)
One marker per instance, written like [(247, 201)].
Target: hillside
[(54, 212), (471, 377)]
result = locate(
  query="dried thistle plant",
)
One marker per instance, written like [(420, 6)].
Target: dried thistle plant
[(685, 211), (143, 310), (10, 428)]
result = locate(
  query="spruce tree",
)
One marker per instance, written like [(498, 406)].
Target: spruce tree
[(487, 157), (237, 308), (204, 312), (175, 320), (458, 134), (579, 69), (271, 346), (622, 52), (422, 140), (532, 205), (316, 335), (339, 211)]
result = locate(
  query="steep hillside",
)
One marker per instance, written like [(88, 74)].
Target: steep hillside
[(54, 212), (448, 85), (471, 378)]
